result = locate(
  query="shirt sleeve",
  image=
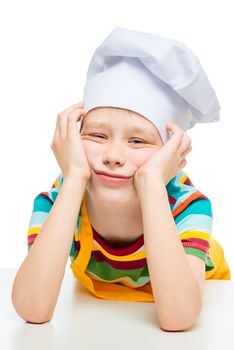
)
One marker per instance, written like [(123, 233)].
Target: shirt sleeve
[(42, 205), (194, 225)]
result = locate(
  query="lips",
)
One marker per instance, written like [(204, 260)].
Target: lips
[(112, 175)]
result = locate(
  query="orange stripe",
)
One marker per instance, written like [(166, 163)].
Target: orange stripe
[(183, 205)]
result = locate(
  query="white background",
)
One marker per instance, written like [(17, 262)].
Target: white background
[(46, 47)]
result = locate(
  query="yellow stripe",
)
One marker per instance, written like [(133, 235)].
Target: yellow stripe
[(56, 183), (195, 234), (183, 179), (34, 230), (130, 257), (37, 229)]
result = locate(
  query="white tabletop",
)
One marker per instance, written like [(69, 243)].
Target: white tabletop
[(81, 321)]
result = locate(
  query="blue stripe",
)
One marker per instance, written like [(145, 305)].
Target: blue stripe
[(42, 203), (197, 222), (38, 218), (198, 206)]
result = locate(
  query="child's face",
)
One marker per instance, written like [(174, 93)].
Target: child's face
[(115, 147)]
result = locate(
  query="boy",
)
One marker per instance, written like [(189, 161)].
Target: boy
[(152, 203)]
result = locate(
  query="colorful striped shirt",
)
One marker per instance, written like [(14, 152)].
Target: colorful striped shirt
[(128, 266)]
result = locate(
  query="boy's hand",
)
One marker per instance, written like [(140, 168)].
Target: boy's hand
[(166, 162), (67, 145)]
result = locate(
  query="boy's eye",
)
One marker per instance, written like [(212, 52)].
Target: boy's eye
[(140, 141), (98, 135)]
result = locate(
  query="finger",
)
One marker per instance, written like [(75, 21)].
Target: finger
[(176, 137), (75, 106), (188, 150), (183, 163), (62, 126), (62, 119), (185, 145), (73, 117), (56, 132), (173, 127), (185, 141)]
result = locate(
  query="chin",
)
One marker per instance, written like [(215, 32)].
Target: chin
[(112, 195)]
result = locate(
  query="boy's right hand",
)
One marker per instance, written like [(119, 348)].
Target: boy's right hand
[(67, 145)]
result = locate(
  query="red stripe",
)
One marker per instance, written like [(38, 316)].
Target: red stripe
[(171, 200), (188, 182), (31, 238), (122, 251), (196, 246), (121, 265), (197, 240)]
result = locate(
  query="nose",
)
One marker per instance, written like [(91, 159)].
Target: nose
[(114, 154)]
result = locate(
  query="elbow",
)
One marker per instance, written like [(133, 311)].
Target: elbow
[(176, 326), (38, 317), (178, 321), (34, 317), (38, 320), (31, 314)]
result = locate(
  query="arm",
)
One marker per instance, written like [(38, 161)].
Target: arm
[(37, 283), (177, 293)]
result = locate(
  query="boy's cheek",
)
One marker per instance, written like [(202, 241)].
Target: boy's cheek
[(87, 144), (145, 156), (90, 148)]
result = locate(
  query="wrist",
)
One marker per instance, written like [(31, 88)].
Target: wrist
[(148, 185), (153, 196), (74, 182)]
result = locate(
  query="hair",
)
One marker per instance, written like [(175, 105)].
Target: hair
[(110, 110)]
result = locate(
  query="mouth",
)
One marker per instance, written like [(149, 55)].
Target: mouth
[(118, 176), (113, 179)]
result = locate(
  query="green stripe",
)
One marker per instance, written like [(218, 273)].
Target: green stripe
[(202, 255), (107, 272), (141, 281)]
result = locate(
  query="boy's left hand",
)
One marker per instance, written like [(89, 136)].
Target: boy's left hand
[(165, 162)]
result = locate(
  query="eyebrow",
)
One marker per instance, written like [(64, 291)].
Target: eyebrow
[(134, 129)]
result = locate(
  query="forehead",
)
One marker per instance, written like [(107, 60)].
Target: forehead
[(119, 117)]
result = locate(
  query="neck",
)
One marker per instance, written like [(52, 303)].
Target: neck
[(114, 218)]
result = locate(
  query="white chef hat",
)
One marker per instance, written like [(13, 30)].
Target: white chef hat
[(157, 77)]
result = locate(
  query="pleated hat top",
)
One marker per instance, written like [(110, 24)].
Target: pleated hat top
[(157, 77)]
